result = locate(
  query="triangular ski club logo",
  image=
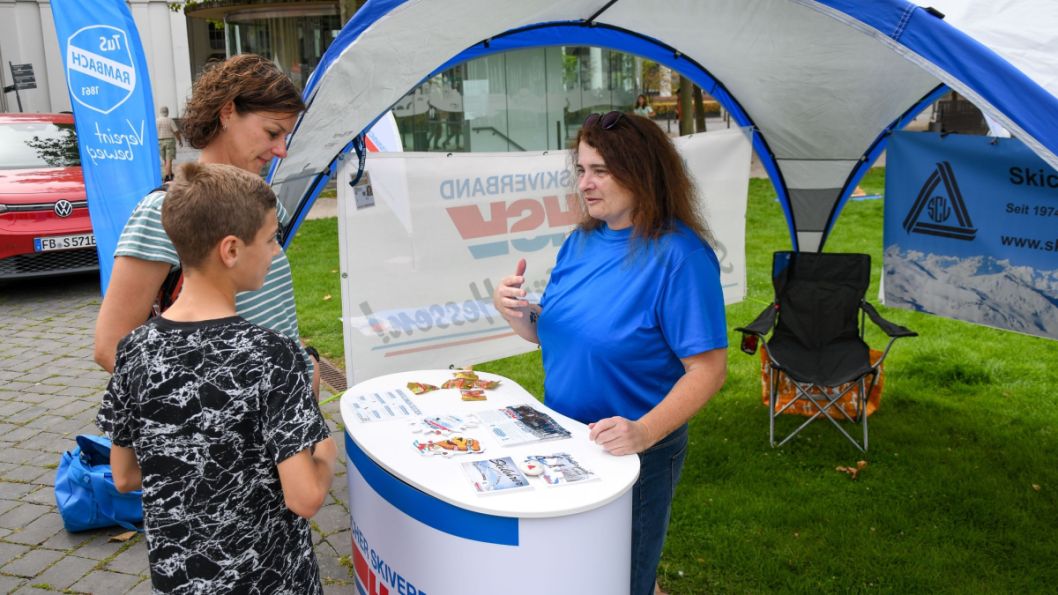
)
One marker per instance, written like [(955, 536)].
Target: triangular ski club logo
[(940, 211)]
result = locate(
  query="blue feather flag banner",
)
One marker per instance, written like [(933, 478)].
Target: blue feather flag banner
[(110, 91)]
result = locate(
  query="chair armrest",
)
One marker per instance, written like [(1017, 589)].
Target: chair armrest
[(756, 330), (763, 324), (890, 328)]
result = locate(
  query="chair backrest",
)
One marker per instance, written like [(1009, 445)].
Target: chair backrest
[(819, 295)]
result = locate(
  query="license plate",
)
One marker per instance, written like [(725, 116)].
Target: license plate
[(81, 240)]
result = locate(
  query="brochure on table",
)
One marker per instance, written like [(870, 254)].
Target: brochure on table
[(391, 443)]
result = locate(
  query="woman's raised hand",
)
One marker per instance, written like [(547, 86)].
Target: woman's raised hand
[(509, 297)]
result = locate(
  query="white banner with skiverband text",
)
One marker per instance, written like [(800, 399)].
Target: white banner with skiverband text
[(425, 237)]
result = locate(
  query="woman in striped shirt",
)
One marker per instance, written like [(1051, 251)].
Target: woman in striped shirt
[(239, 113)]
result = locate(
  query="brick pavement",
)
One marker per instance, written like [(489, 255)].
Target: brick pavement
[(49, 393)]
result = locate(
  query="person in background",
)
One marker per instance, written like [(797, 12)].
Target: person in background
[(239, 113), (631, 323), (168, 138), (642, 107), (214, 417)]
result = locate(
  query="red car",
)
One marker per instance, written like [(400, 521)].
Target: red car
[(44, 225)]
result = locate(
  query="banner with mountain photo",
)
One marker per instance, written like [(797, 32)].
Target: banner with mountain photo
[(971, 231)]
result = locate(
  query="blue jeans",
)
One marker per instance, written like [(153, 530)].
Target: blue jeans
[(659, 472)]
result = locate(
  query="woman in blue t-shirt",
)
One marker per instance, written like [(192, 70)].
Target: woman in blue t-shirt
[(632, 322)]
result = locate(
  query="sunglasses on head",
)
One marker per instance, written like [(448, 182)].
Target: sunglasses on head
[(607, 120)]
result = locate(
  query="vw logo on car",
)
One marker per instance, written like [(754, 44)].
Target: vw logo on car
[(63, 208)]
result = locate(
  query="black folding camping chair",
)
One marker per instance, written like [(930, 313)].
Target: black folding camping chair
[(817, 325)]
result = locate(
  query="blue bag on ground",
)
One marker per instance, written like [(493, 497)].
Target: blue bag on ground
[(85, 491)]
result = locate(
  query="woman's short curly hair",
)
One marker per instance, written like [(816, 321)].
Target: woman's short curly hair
[(253, 83)]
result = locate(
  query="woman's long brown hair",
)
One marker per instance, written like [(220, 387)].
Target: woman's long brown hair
[(642, 158)]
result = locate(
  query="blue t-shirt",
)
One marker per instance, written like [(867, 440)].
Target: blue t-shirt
[(615, 323)]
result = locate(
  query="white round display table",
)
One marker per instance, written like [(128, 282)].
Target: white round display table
[(421, 527)]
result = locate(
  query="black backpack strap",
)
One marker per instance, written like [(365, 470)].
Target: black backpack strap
[(173, 282)]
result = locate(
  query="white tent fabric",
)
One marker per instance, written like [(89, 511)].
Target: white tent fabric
[(1023, 32), (821, 81)]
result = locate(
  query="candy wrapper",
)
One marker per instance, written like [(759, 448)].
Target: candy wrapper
[(420, 388), (466, 375), (473, 394), (459, 383), (486, 384)]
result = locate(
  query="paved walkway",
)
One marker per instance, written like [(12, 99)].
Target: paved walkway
[(49, 392)]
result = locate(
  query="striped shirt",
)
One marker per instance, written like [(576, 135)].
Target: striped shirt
[(272, 306)]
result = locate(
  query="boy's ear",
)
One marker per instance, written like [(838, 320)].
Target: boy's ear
[(229, 249)]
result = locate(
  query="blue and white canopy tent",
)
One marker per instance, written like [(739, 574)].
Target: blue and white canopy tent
[(821, 82)]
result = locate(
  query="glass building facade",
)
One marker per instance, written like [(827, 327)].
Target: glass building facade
[(525, 100), (292, 34), (296, 42)]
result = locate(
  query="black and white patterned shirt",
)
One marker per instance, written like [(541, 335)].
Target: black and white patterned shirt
[(211, 408)]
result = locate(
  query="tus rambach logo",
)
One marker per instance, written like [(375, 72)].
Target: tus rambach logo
[(940, 210), (99, 67)]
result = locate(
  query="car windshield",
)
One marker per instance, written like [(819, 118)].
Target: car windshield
[(28, 145)]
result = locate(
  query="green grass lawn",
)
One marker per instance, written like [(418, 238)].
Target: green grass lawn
[(960, 490)]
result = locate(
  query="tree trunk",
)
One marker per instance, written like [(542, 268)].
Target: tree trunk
[(686, 105), (699, 110)]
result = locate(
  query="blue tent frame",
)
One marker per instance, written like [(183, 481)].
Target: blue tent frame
[(955, 58)]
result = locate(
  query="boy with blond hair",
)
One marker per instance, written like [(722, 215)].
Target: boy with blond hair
[(215, 417)]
